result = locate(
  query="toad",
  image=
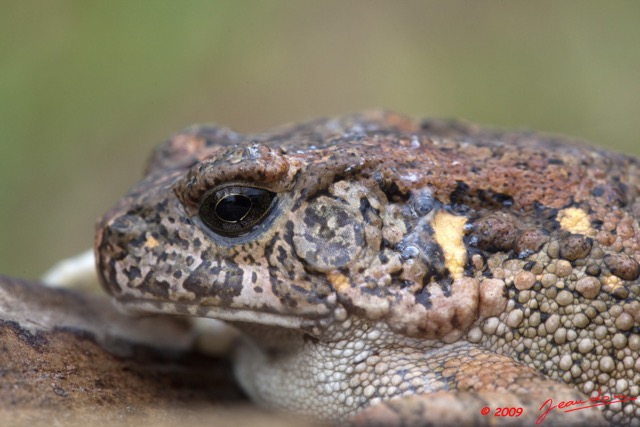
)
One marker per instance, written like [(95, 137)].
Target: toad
[(386, 270)]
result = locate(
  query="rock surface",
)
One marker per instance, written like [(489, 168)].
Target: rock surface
[(68, 358)]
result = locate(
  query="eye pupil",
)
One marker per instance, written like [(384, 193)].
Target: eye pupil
[(233, 208)]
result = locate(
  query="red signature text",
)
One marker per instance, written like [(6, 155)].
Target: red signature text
[(577, 405)]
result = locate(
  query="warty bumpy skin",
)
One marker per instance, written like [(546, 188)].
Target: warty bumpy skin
[(387, 270)]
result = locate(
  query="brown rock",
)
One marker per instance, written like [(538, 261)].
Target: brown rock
[(63, 364)]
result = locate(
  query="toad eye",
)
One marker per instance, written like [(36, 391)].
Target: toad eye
[(235, 210)]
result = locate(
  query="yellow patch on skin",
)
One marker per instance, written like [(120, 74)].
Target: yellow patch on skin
[(338, 280), (576, 221), (612, 281), (151, 243), (449, 230)]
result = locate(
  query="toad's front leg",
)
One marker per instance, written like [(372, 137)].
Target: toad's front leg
[(477, 387)]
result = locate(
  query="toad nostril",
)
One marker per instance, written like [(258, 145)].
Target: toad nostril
[(127, 227)]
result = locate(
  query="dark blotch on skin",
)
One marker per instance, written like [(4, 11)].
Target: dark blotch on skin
[(283, 291), (480, 198), (460, 194), (445, 285), (157, 288), (575, 246), (205, 282), (282, 255), (623, 266), (593, 270), (495, 232), (424, 298), (531, 241), (621, 293), (134, 273), (364, 207), (494, 198), (289, 231), (233, 279), (393, 193)]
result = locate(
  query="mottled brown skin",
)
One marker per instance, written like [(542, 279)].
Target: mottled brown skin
[(402, 266)]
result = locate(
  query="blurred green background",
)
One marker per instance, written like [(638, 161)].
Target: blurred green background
[(88, 87)]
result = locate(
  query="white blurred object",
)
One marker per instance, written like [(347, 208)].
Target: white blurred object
[(77, 272), (214, 336)]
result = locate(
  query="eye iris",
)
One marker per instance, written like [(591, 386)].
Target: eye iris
[(233, 208)]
